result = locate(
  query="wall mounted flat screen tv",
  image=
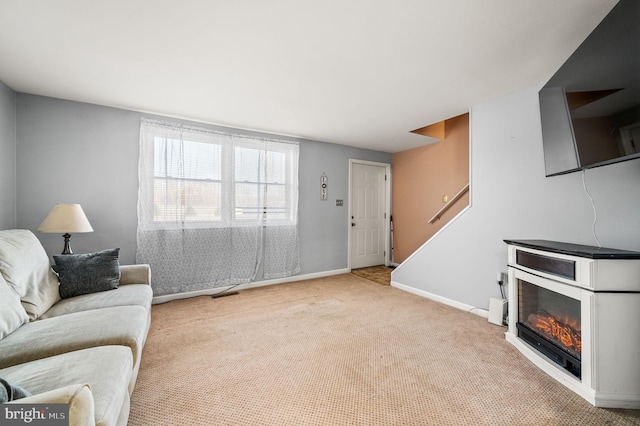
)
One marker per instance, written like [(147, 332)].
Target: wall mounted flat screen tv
[(590, 109)]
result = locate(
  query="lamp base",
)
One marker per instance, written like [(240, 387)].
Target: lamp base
[(67, 244)]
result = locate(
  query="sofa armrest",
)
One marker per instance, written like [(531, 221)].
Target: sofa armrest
[(135, 274), (79, 398)]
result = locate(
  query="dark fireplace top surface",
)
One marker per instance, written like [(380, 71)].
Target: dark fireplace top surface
[(579, 250)]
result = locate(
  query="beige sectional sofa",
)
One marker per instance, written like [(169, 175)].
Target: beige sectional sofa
[(82, 350)]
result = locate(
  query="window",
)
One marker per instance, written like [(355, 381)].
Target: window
[(214, 208), (210, 179), (260, 184), (186, 181)]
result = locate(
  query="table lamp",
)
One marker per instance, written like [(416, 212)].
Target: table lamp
[(66, 218)]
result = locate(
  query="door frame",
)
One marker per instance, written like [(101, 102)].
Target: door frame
[(387, 209)]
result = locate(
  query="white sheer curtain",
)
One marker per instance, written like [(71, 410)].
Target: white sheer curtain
[(215, 208)]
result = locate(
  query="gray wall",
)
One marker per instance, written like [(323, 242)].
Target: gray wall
[(7, 157), (71, 152), (512, 199)]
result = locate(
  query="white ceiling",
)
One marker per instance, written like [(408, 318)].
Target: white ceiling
[(360, 73)]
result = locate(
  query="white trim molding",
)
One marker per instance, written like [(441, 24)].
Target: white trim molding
[(453, 303)]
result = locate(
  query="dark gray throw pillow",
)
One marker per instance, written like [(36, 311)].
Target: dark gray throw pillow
[(9, 392), (87, 273)]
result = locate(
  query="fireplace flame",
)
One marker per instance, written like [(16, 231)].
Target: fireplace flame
[(566, 331)]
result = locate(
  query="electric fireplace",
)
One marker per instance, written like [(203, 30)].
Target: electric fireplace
[(550, 322), (574, 311)]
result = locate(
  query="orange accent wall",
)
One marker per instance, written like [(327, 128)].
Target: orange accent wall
[(421, 177)]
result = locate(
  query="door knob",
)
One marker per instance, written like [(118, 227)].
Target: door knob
[(353, 224)]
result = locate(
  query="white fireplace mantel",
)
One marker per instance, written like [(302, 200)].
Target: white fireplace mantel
[(606, 282)]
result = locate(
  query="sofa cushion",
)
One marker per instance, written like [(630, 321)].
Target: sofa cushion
[(87, 273), (12, 314), (25, 266), (107, 370), (135, 274), (120, 325), (131, 294)]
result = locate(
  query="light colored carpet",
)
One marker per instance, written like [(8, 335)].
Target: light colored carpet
[(342, 351)]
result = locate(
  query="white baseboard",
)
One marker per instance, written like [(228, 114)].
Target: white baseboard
[(454, 303), (211, 291)]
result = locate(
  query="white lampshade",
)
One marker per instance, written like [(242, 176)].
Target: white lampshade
[(66, 218)]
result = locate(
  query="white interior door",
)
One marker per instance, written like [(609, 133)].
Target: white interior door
[(368, 201)]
